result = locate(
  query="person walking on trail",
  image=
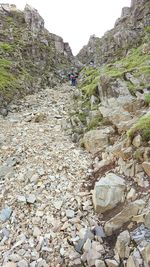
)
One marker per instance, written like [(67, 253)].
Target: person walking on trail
[(73, 76)]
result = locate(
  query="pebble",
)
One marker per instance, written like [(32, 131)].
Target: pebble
[(31, 199), (21, 199), (36, 232), (22, 263), (5, 214), (70, 213)]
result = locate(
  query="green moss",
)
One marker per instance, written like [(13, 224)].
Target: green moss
[(132, 88), (90, 80), (147, 29), (142, 127), (90, 89), (82, 117), (6, 47), (147, 98), (94, 123)]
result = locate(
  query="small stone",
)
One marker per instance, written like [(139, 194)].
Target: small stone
[(87, 246), (22, 263), (146, 167), (36, 232), (132, 194), (5, 214), (62, 251), (98, 231), (100, 263), (15, 257), (122, 245), (3, 112), (70, 213), (33, 264), (31, 199), (112, 263), (58, 204), (4, 170), (10, 264), (21, 199), (137, 141), (147, 220)]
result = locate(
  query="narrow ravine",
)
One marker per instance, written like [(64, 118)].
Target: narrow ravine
[(42, 172)]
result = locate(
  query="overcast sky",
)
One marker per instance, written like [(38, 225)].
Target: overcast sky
[(76, 20)]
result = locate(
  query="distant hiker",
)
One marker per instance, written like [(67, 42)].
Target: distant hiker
[(73, 76)]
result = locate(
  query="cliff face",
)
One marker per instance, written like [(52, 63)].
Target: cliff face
[(128, 32), (30, 56)]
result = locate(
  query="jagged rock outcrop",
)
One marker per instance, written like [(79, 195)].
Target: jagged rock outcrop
[(128, 32), (30, 56)]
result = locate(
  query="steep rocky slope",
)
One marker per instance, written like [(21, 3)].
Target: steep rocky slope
[(30, 56), (128, 32), (111, 120)]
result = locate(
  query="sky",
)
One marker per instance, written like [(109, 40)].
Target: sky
[(75, 21)]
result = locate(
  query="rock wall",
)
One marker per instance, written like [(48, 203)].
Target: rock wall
[(127, 32), (30, 56)]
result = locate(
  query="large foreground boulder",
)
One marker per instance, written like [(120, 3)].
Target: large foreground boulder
[(108, 192)]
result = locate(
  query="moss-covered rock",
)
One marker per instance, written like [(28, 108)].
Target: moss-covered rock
[(142, 127)]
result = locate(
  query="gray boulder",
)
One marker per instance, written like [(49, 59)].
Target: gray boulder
[(108, 192)]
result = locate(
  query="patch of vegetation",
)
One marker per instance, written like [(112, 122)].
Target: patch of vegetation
[(147, 98), (94, 123), (6, 47), (7, 79), (147, 29), (142, 127), (90, 80), (138, 154)]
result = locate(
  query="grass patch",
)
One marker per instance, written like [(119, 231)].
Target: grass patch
[(94, 123), (147, 98), (142, 127), (6, 47)]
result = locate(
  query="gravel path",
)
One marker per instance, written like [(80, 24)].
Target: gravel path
[(43, 209)]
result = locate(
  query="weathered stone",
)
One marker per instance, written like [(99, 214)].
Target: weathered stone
[(122, 245), (135, 259), (108, 192), (131, 262), (95, 140), (137, 141), (92, 256), (58, 204), (124, 216), (5, 214), (14, 257), (4, 170), (21, 199), (70, 213), (10, 264), (147, 220), (146, 167), (36, 232), (22, 263), (31, 199), (112, 263), (147, 154), (144, 249), (132, 194), (100, 263)]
